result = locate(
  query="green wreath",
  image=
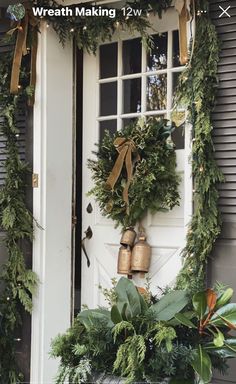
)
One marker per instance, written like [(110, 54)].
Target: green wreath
[(135, 170)]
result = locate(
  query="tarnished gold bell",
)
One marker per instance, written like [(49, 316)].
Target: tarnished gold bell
[(128, 237), (141, 255), (124, 260)]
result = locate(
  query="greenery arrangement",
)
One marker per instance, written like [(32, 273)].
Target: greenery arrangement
[(153, 180), (197, 91), (89, 32), (174, 348), (177, 338), (18, 283)]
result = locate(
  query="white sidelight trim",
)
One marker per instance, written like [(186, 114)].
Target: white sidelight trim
[(53, 129)]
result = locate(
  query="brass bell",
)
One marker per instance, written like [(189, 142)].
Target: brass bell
[(141, 255), (128, 237), (124, 260)]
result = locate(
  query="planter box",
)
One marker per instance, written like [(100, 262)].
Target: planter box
[(101, 379)]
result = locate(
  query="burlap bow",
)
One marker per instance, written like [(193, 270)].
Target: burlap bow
[(21, 49), (125, 149), (182, 6)]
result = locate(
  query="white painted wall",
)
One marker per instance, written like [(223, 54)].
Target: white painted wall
[(53, 128)]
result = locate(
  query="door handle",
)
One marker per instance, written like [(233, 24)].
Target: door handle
[(88, 235)]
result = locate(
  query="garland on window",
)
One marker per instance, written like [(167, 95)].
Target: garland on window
[(197, 91), (18, 283)]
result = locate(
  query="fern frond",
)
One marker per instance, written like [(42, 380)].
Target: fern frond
[(120, 327)]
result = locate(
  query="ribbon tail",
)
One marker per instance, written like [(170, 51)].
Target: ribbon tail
[(116, 170), (183, 41), (129, 169), (34, 48), (20, 41)]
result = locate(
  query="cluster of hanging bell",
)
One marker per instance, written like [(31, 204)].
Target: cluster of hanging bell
[(133, 257)]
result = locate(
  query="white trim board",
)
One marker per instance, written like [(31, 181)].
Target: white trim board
[(53, 128)]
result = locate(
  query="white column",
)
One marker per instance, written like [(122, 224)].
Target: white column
[(53, 128)]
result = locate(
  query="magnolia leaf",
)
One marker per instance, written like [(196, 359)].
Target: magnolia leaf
[(219, 339), (115, 314), (211, 297), (200, 303), (126, 292), (184, 320), (170, 304), (90, 317), (225, 316), (202, 364), (228, 350), (224, 298)]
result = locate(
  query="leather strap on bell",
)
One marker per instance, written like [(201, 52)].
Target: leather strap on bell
[(19, 52), (182, 7), (29, 21), (125, 149)]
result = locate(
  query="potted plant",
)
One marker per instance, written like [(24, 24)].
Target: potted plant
[(174, 339)]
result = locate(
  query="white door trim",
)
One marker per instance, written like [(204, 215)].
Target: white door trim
[(53, 129)]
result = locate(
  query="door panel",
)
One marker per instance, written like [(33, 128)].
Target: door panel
[(115, 92)]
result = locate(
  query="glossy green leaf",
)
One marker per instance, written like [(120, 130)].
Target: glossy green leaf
[(200, 303), (202, 364), (127, 293), (184, 320), (219, 339), (224, 298), (90, 317), (170, 304), (115, 314), (228, 312), (228, 350)]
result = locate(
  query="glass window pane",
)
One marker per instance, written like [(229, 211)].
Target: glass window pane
[(157, 57), (132, 52), (108, 125), (176, 62), (126, 122), (132, 95), (108, 60), (108, 99), (156, 92), (174, 84), (178, 137)]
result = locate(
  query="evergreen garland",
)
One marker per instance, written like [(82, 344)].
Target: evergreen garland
[(18, 283), (89, 32), (197, 91)]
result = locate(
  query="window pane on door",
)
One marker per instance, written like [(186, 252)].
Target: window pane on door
[(175, 54), (108, 99), (157, 57), (178, 137), (156, 92), (132, 95), (132, 52), (107, 125), (108, 60)]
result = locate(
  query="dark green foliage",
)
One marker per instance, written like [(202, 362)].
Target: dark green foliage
[(155, 182), (89, 32), (197, 91), (142, 348), (18, 283)]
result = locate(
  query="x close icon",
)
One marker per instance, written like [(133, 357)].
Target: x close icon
[(224, 11)]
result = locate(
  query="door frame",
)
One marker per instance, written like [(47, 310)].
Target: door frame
[(52, 200)]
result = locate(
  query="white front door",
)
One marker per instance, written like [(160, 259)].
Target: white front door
[(121, 83)]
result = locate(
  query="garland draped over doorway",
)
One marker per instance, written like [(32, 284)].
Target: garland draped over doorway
[(197, 89)]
